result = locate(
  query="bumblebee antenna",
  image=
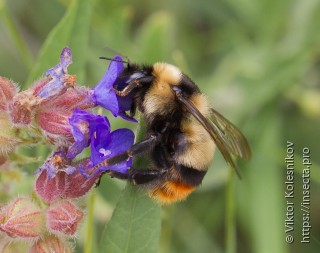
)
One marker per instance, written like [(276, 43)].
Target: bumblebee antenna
[(118, 53), (111, 59)]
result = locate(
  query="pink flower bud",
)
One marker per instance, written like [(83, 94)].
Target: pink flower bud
[(63, 217), (50, 189), (78, 97), (21, 110), (50, 244), (22, 218), (54, 124), (56, 181), (7, 91), (21, 114), (79, 185)]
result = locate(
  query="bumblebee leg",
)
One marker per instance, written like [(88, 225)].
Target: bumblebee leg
[(135, 150), (129, 116), (118, 175), (139, 176), (133, 84), (122, 93), (133, 109), (115, 174)]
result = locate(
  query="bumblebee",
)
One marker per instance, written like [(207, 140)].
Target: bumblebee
[(182, 134)]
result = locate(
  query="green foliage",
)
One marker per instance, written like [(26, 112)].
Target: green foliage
[(72, 31), (258, 61), (135, 224)]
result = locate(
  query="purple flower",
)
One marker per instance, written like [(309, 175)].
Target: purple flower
[(93, 129), (84, 126), (62, 67), (117, 142), (104, 94), (59, 76)]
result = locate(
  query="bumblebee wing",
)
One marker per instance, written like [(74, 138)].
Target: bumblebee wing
[(227, 137), (230, 135)]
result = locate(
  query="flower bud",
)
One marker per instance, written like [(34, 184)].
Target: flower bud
[(7, 92), (78, 97), (50, 244), (79, 185), (21, 109), (22, 218), (64, 184), (63, 217), (55, 126), (50, 189)]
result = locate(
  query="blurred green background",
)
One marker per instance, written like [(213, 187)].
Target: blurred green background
[(259, 63)]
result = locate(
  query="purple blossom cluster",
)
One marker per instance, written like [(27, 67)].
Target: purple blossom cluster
[(59, 112)]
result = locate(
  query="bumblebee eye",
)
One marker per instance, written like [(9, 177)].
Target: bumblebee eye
[(176, 89), (135, 76)]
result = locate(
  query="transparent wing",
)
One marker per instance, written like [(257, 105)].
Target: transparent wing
[(230, 135)]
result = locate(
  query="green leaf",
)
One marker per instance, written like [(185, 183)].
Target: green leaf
[(72, 31), (135, 223), (134, 226)]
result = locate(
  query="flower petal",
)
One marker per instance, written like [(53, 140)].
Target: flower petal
[(61, 68), (120, 141), (127, 117), (58, 74), (107, 100), (103, 92), (84, 126)]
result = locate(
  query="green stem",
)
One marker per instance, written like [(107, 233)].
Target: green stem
[(15, 35), (230, 236), (90, 223)]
